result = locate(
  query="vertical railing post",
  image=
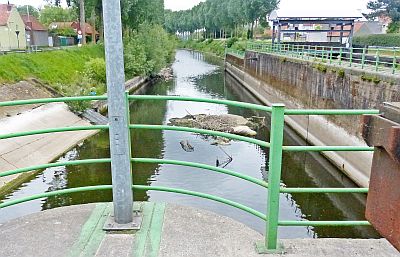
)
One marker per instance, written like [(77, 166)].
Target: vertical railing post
[(340, 56), (363, 58), (394, 62), (274, 175), (377, 60), (351, 57), (119, 136)]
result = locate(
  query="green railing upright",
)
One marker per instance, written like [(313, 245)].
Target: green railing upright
[(273, 185)]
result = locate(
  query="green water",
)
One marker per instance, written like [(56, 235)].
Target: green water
[(201, 76)]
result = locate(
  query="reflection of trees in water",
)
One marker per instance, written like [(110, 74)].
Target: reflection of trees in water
[(308, 170)]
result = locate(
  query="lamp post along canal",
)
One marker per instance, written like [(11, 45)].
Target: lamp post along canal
[(117, 113)]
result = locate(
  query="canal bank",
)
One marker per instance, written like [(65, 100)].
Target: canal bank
[(303, 84)]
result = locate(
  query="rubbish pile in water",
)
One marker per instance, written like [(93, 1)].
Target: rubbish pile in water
[(166, 74), (229, 123)]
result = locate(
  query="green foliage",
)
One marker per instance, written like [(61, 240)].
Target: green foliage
[(341, 73), (230, 42), (51, 14), (321, 67), (394, 27), (148, 50), (387, 40), (370, 78), (389, 8), (24, 9), (137, 12), (217, 15), (67, 32), (216, 47), (95, 70), (52, 67)]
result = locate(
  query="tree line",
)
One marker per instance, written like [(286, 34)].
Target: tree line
[(220, 17)]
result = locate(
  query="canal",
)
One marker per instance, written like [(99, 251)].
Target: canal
[(198, 75)]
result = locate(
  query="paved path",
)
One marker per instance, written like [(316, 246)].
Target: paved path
[(167, 231), (38, 149)]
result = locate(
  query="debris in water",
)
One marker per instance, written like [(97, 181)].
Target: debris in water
[(224, 163), (225, 123), (186, 146)]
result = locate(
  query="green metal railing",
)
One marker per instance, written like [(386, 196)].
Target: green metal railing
[(274, 188), (384, 60), (237, 53)]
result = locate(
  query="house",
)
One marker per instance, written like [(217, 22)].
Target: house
[(361, 28), (75, 25), (36, 33), (12, 28)]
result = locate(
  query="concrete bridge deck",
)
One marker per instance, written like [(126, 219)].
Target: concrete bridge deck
[(167, 230)]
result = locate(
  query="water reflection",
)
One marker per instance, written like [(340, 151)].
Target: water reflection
[(198, 75)]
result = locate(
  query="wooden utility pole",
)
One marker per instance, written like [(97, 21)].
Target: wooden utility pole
[(82, 20)]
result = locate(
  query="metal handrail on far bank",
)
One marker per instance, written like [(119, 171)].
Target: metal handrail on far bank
[(276, 148), (384, 60)]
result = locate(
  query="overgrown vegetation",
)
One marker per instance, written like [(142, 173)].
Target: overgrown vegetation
[(387, 40), (213, 46), (53, 67)]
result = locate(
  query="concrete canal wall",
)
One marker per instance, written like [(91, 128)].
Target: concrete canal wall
[(302, 84), (28, 151)]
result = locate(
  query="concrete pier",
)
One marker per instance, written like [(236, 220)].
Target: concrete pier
[(167, 230)]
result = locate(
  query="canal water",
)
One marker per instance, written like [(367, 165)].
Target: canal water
[(198, 75)]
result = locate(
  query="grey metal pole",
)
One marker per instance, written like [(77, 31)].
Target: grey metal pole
[(119, 140)]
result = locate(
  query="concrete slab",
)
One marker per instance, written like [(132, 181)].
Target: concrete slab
[(38, 149), (167, 230)]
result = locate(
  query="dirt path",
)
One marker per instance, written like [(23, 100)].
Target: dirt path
[(21, 91)]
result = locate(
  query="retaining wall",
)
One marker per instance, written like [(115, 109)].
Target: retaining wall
[(302, 84)]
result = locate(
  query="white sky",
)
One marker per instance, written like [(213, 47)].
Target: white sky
[(300, 6)]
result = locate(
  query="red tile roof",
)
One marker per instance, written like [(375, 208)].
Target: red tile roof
[(72, 24), (4, 13), (36, 25)]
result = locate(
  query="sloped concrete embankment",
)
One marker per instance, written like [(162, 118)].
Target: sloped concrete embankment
[(37, 149), (41, 149), (306, 85)]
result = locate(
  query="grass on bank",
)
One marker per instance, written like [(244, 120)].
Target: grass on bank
[(214, 46), (53, 67)]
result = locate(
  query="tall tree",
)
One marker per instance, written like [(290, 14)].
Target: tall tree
[(28, 9), (390, 8)]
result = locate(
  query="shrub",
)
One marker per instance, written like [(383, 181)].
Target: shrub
[(230, 42), (95, 70), (387, 40)]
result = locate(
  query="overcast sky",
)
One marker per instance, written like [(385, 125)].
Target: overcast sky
[(287, 5)]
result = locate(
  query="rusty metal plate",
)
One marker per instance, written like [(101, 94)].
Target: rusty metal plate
[(383, 203)]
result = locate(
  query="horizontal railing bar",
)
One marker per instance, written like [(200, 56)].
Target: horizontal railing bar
[(53, 100), (54, 193), (328, 148), (322, 223), (204, 167), (137, 160), (201, 131), (206, 196), (54, 130), (203, 100), (330, 112), (134, 187), (324, 190), (53, 165)]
